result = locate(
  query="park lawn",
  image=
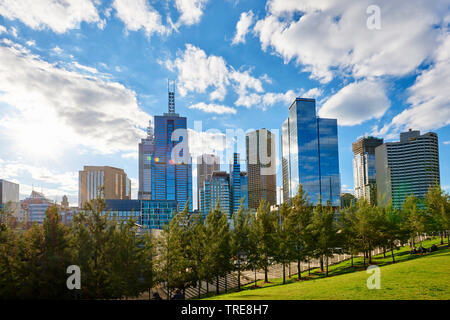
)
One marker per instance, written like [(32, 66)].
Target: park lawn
[(413, 277)]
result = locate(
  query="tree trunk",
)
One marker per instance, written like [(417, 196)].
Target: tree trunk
[(199, 288), (321, 263), (289, 270), (266, 277), (392, 251), (352, 259), (207, 287), (364, 263), (299, 269), (327, 266), (226, 283), (384, 251), (442, 238), (370, 256), (239, 279), (284, 273), (309, 268), (217, 284), (255, 278)]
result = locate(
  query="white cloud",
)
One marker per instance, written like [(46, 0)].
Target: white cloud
[(357, 102), (31, 43), (332, 36), (130, 155), (243, 26), (60, 16), (139, 14), (213, 108), (429, 96), (66, 182), (206, 142), (197, 72), (190, 11), (313, 93), (2, 29), (60, 108), (447, 142), (58, 50)]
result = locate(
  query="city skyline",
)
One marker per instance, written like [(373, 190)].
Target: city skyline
[(233, 71)]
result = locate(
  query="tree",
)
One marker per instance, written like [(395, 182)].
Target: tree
[(347, 232), (324, 230), (436, 202), (219, 244), (241, 240), (264, 226), (415, 218), (283, 253), (297, 222), (198, 252)]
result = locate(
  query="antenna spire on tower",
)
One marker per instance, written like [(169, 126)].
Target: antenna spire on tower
[(171, 90)]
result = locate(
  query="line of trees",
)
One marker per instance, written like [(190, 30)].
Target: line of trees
[(117, 261)]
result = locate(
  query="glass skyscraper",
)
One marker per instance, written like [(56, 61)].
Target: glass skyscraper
[(216, 190), (309, 147), (235, 182), (161, 176)]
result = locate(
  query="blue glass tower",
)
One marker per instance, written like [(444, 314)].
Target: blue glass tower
[(309, 147), (244, 188), (165, 169), (235, 182)]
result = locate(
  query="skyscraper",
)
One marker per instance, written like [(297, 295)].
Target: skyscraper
[(261, 167), (410, 166), (235, 182), (244, 188), (9, 197), (206, 165), (114, 181), (309, 147), (364, 173), (165, 169), (215, 190)]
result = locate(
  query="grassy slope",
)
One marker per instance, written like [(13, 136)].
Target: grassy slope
[(413, 277)]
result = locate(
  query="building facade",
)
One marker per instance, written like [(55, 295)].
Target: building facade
[(114, 182), (9, 197), (244, 188), (410, 166), (206, 165), (216, 190), (165, 166), (310, 155), (261, 167), (364, 171)]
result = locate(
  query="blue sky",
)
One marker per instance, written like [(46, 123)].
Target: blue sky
[(80, 79)]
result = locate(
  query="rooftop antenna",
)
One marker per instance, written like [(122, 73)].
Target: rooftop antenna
[(171, 90)]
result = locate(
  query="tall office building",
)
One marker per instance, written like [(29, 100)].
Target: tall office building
[(309, 147), (114, 181), (215, 190), (146, 154), (244, 188), (161, 175), (206, 165), (410, 166), (9, 197), (364, 172), (261, 167), (235, 182)]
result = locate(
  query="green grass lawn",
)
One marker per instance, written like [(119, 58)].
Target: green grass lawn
[(412, 277)]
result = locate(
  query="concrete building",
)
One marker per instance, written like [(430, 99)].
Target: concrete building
[(261, 167), (410, 166), (206, 165), (310, 154), (114, 181), (9, 197), (364, 171)]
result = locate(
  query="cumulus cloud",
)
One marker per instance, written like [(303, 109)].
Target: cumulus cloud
[(139, 14), (59, 16), (357, 102), (65, 106), (199, 72), (242, 27), (428, 97), (190, 11), (327, 36), (213, 108)]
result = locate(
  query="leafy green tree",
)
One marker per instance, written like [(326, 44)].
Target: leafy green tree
[(347, 232), (298, 223), (324, 230), (265, 225), (283, 253), (218, 238), (436, 202), (415, 218), (198, 251), (241, 245)]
